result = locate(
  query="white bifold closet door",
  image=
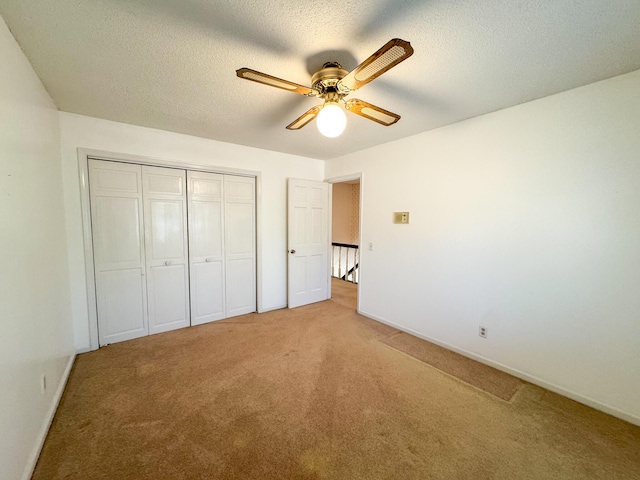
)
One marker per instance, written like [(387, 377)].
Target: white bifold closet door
[(172, 248), (139, 222), (221, 246), (118, 249), (206, 246), (240, 244), (165, 220)]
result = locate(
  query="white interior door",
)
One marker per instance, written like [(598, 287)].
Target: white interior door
[(165, 221), (206, 246), (308, 242), (118, 245), (240, 244)]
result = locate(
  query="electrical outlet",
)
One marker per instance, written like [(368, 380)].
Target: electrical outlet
[(43, 385), (371, 246), (482, 331)]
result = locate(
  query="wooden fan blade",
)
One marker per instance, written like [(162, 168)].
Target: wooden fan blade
[(305, 118), (390, 55), (366, 110), (260, 77)]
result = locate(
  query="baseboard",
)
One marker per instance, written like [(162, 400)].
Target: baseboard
[(590, 402), (42, 435), (83, 350)]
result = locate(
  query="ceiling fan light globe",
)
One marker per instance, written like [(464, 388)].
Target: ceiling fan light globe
[(331, 120)]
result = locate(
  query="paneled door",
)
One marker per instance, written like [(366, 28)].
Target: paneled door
[(165, 221), (308, 240), (240, 243), (206, 246), (118, 245)]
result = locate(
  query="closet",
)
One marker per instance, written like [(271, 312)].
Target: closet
[(172, 248)]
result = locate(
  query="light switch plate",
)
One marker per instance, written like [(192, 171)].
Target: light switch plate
[(400, 217)]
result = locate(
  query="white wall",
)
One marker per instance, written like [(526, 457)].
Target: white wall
[(36, 336), (526, 221), (92, 133)]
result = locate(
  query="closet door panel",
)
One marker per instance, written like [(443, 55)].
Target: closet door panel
[(167, 233), (117, 232), (241, 293), (240, 230), (206, 229), (168, 303), (206, 246), (165, 215), (118, 243), (240, 240), (207, 290), (122, 302)]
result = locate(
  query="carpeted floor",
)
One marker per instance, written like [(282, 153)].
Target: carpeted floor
[(481, 376), (317, 392)]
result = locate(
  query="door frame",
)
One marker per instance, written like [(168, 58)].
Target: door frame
[(341, 179), (84, 154)]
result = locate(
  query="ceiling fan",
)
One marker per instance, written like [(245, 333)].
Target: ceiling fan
[(332, 83)]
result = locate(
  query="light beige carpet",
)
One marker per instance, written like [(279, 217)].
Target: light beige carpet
[(312, 393), (481, 376)]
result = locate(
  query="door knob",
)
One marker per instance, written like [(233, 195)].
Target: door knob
[(167, 263), (292, 252), (208, 260)]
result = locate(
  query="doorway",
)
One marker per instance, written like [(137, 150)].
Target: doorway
[(346, 269)]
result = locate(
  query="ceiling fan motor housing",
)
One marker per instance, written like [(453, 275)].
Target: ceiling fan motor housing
[(326, 80)]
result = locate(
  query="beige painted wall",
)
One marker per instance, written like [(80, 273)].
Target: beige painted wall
[(346, 213)]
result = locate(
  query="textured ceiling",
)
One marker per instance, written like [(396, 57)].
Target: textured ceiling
[(170, 64)]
